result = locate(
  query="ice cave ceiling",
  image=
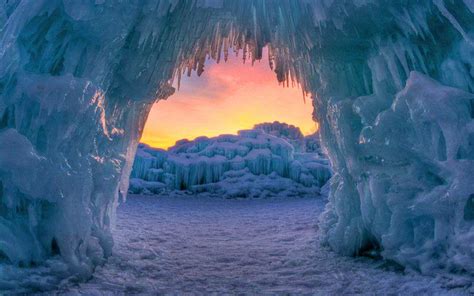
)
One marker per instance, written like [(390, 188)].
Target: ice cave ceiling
[(392, 85)]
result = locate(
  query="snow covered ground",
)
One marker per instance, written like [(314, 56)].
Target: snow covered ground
[(252, 246)]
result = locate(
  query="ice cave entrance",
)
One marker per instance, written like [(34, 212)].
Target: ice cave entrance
[(233, 132), (395, 105)]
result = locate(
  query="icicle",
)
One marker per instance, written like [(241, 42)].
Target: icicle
[(453, 21)]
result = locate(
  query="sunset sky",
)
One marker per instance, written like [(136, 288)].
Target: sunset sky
[(226, 98)]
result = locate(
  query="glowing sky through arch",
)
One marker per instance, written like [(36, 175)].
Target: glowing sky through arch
[(226, 98)]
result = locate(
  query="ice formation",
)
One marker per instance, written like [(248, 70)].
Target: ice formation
[(414, 195), (290, 133), (253, 163), (77, 79)]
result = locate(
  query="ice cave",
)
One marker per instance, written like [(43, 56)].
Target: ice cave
[(391, 82)]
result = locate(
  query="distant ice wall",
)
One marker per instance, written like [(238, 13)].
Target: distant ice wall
[(190, 165), (77, 79)]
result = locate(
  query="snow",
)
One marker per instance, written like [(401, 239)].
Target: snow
[(255, 163), (195, 245), (78, 78)]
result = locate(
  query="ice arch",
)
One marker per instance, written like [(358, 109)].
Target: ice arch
[(78, 77)]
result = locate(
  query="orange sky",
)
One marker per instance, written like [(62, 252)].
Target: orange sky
[(226, 98)]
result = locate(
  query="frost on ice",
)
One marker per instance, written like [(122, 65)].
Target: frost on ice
[(391, 81), (415, 195), (255, 163)]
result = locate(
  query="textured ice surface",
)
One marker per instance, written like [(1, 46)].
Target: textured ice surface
[(255, 163), (414, 196), (288, 132), (78, 78), (199, 246)]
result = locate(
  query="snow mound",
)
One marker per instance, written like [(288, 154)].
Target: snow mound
[(250, 164)]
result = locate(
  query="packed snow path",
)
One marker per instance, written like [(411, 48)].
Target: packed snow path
[(199, 246)]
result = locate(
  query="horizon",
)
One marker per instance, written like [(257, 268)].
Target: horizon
[(236, 133)]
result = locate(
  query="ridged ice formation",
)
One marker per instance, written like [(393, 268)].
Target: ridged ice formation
[(290, 133), (77, 79), (231, 165)]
